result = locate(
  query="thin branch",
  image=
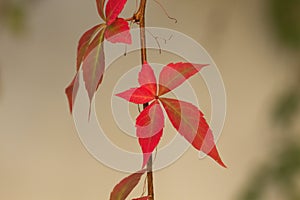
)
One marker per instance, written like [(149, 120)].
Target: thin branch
[(150, 179), (139, 17)]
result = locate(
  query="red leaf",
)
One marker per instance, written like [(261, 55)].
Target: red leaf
[(85, 46), (100, 8), (149, 129), (190, 123), (142, 198), (84, 43), (71, 91), (139, 95), (147, 78), (93, 65), (148, 145), (174, 74), (98, 39), (113, 9), (150, 120), (118, 32), (123, 189)]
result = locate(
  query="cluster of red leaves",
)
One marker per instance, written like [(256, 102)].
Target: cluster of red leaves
[(90, 50), (186, 118)]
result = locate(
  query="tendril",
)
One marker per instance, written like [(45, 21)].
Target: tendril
[(156, 38), (165, 11)]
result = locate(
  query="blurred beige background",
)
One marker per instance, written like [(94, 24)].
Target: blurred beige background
[(41, 156)]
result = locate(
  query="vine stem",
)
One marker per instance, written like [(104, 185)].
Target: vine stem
[(139, 17)]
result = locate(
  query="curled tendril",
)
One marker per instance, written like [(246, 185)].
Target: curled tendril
[(165, 11)]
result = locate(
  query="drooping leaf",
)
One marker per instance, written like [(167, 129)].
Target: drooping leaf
[(190, 123), (174, 74), (147, 78), (100, 8), (85, 47), (150, 121), (71, 91), (94, 65), (142, 198), (84, 43), (138, 95), (123, 189), (96, 41), (148, 145), (113, 9), (118, 32), (149, 129)]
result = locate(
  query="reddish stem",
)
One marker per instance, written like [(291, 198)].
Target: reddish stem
[(139, 17)]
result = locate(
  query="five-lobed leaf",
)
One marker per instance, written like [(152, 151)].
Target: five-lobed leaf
[(186, 118), (125, 186)]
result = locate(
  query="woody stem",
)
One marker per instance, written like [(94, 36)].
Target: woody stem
[(139, 17)]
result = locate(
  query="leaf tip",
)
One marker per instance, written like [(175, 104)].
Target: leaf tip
[(71, 92), (122, 95), (220, 162), (69, 97), (216, 156)]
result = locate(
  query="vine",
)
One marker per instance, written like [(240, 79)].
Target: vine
[(186, 118)]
